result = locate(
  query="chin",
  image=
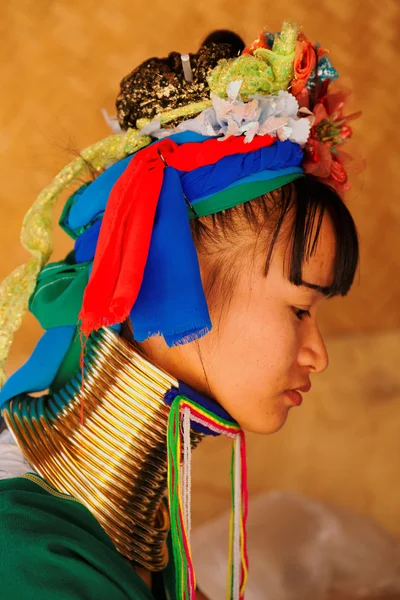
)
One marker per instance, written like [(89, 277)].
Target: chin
[(266, 425)]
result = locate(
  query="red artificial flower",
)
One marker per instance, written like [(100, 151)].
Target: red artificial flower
[(323, 155)]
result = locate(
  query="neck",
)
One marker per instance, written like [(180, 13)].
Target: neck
[(115, 462)]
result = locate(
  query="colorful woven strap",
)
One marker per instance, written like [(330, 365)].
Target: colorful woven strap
[(182, 412)]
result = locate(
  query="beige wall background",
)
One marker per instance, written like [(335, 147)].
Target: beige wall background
[(62, 61)]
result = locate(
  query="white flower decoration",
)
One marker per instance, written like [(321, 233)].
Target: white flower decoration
[(262, 115)]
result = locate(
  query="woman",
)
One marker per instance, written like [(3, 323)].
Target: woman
[(203, 249)]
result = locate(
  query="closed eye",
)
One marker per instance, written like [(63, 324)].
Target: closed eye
[(301, 313)]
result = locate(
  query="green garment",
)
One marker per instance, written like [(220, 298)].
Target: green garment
[(52, 548)]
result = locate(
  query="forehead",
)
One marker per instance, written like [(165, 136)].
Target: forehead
[(321, 266), (319, 269)]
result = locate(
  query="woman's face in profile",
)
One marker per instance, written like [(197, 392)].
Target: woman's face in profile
[(264, 345), (269, 343)]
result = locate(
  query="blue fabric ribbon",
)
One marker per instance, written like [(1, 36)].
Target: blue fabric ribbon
[(93, 199), (38, 373), (212, 179), (85, 245), (171, 300)]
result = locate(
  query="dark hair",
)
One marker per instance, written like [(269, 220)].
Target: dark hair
[(305, 200), (225, 36)]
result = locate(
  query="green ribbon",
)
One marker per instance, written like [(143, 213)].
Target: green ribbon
[(58, 295), (72, 200), (69, 365), (239, 195)]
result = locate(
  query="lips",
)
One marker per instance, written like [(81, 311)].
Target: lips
[(305, 388), (294, 397)]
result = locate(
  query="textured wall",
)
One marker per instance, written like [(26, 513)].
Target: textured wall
[(62, 61)]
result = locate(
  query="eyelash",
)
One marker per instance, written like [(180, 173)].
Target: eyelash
[(300, 313)]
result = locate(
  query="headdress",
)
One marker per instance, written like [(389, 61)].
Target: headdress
[(198, 134)]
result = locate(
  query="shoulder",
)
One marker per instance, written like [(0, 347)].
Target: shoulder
[(51, 546)]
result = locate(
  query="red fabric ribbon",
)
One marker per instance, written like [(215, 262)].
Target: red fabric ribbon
[(127, 224)]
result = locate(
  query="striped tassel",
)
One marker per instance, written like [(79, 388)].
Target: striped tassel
[(238, 558), (183, 411)]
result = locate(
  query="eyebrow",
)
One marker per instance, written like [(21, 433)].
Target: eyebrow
[(325, 291)]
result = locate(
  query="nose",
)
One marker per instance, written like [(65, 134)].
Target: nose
[(313, 353)]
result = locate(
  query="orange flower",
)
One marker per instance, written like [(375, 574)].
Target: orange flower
[(260, 42), (304, 63)]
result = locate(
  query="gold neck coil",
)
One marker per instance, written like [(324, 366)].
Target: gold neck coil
[(115, 463)]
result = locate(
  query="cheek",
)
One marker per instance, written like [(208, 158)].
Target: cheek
[(263, 338), (250, 360)]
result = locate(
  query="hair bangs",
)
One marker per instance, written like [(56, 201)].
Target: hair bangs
[(311, 200), (292, 215)]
